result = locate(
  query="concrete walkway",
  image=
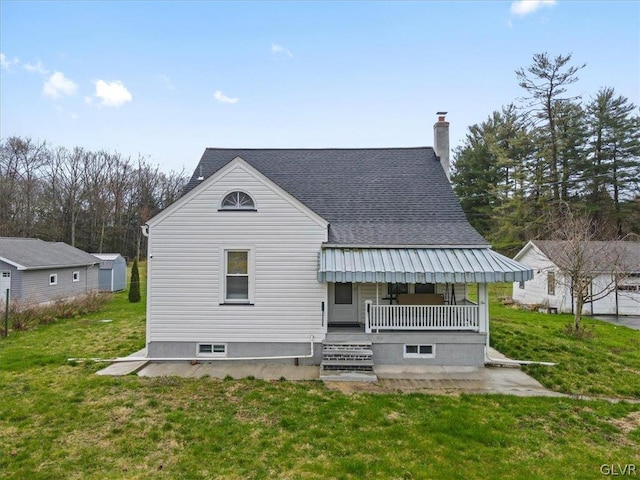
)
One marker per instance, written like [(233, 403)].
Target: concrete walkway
[(391, 378), (118, 369)]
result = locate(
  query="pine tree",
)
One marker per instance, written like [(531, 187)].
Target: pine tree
[(134, 286), (613, 166), (546, 81)]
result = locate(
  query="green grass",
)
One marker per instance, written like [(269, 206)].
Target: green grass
[(606, 365), (60, 420)]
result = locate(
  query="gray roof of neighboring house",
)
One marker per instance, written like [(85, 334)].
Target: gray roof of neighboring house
[(599, 256), (370, 196), (107, 260), (35, 254)]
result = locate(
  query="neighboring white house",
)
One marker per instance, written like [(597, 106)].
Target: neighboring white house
[(346, 257), (617, 278)]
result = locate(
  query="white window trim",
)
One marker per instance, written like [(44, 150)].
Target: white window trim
[(212, 354), (418, 355), (250, 249), (234, 209), (53, 279), (75, 276)]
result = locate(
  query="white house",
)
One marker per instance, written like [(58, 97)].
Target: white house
[(613, 274), (346, 257)]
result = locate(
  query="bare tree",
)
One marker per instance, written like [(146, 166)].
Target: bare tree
[(23, 161), (92, 200), (590, 260)]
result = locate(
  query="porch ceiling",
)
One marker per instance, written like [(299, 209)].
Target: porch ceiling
[(418, 265)]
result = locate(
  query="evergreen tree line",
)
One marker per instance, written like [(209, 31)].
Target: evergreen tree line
[(529, 161), (95, 201)]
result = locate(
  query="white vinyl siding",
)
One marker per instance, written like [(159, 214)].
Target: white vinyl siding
[(535, 291), (186, 266)]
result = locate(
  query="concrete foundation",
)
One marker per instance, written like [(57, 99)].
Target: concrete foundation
[(450, 349)]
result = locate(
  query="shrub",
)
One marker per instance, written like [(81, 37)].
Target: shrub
[(134, 286), (25, 316)]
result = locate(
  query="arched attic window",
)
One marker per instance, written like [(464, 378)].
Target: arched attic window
[(238, 201)]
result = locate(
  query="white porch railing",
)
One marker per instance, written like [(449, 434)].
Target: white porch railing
[(421, 317)]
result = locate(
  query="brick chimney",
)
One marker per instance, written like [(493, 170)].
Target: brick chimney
[(441, 142)]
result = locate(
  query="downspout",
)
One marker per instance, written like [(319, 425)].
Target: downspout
[(616, 290), (508, 361), (191, 359), (498, 361)]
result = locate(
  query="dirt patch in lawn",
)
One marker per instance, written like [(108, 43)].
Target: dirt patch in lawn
[(629, 423)]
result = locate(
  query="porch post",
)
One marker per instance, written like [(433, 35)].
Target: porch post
[(367, 316), (483, 309)]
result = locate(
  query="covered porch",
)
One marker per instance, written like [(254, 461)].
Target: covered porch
[(413, 289)]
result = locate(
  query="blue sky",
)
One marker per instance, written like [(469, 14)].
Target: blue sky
[(167, 79)]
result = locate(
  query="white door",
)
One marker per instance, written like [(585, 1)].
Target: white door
[(343, 303), (5, 284)]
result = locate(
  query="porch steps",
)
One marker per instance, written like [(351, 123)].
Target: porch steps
[(347, 361)]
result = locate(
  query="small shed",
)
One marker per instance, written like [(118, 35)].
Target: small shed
[(113, 272)]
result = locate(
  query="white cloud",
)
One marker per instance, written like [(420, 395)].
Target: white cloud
[(111, 94), (5, 63), (58, 85), (222, 98), (37, 68), (525, 7), (165, 80), (280, 50)]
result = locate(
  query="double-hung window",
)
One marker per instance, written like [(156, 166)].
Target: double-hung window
[(236, 276)]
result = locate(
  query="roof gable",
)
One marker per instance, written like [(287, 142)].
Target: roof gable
[(377, 196), (33, 254), (238, 162)]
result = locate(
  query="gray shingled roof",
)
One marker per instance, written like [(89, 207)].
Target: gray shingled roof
[(599, 256), (34, 254), (376, 196)]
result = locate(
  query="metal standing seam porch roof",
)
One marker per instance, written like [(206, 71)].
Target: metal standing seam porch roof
[(418, 265)]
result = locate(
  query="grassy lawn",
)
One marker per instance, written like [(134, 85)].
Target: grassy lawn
[(59, 420), (606, 365)]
